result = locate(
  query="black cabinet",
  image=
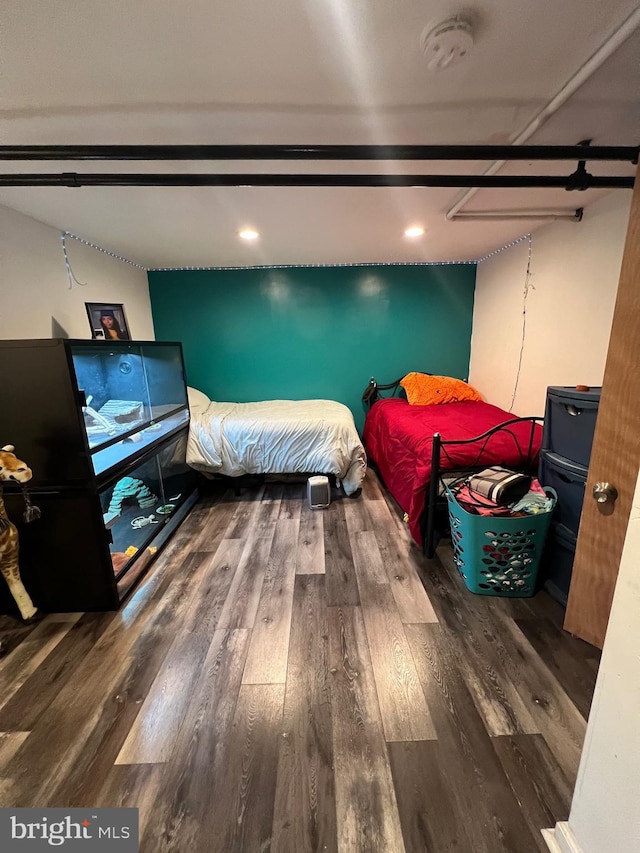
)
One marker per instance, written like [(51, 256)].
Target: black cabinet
[(104, 427), (569, 424)]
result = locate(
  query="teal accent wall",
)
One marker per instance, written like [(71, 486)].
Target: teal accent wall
[(259, 334)]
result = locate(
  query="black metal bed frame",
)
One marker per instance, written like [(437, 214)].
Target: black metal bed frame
[(438, 449)]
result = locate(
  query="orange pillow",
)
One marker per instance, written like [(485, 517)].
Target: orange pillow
[(425, 390)]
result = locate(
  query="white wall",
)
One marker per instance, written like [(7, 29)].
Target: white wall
[(569, 309), (34, 287), (605, 812)]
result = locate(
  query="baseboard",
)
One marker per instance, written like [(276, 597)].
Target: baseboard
[(560, 839)]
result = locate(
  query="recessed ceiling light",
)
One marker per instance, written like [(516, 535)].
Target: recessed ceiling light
[(414, 231), (248, 234)]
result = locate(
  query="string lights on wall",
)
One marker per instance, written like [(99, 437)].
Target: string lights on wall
[(316, 266), (363, 264), (118, 257), (504, 248), (91, 245)]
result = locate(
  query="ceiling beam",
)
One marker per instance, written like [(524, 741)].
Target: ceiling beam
[(319, 152), (579, 180)]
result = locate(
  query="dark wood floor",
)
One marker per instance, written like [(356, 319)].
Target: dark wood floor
[(296, 680)]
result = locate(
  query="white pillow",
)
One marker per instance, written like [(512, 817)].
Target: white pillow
[(197, 400)]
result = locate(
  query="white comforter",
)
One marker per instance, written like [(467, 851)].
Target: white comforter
[(277, 437)]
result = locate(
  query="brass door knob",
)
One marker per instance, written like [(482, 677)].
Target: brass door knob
[(604, 493)]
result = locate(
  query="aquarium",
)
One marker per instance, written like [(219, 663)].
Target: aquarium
[(104, 426), (131, 396), (136, 505)]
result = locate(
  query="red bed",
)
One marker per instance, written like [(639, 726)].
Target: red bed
[(399, 440)]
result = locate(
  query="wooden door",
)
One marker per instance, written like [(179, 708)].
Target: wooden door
[(615, 455)]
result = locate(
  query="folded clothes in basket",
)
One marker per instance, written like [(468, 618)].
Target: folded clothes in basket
[(533, 502), (472, 502)]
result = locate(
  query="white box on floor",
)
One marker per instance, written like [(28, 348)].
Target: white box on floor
[(318, 492)]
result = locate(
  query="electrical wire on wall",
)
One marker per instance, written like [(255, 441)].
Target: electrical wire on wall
[(527, 286), (70, 272)]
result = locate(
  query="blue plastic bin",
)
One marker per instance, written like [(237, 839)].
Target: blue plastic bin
[(498, 555)]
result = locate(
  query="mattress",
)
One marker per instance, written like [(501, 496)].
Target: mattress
[(398, 438), (277, 437)]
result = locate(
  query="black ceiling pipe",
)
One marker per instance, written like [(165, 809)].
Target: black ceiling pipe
[(319, 152), (581, 181)]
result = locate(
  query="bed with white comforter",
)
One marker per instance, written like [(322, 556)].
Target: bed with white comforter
[(275, 437)]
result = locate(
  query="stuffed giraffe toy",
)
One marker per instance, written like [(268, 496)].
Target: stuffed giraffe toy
[(14, 470)]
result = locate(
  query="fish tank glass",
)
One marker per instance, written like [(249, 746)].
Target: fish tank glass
[(132, 394), (136, 505)]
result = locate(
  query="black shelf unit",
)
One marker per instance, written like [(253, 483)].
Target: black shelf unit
[(104, 427)]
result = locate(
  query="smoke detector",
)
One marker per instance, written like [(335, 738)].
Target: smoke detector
[(447, 43)]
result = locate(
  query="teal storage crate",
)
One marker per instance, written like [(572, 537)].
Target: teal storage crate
[(498, 555)]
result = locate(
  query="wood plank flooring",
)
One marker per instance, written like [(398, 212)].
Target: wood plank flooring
[(291, 680)]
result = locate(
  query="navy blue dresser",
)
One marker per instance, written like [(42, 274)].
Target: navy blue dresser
[(569, 423)]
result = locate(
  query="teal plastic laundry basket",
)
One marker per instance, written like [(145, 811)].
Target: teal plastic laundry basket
[(498, 555)]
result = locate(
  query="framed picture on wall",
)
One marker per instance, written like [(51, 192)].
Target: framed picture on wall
[(107, 321)]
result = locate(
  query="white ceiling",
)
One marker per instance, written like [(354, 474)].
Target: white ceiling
[(296, 72)]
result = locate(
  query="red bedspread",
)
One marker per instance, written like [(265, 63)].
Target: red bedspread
[(398, 439)]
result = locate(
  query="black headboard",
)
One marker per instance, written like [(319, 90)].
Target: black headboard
[(393, 389)]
